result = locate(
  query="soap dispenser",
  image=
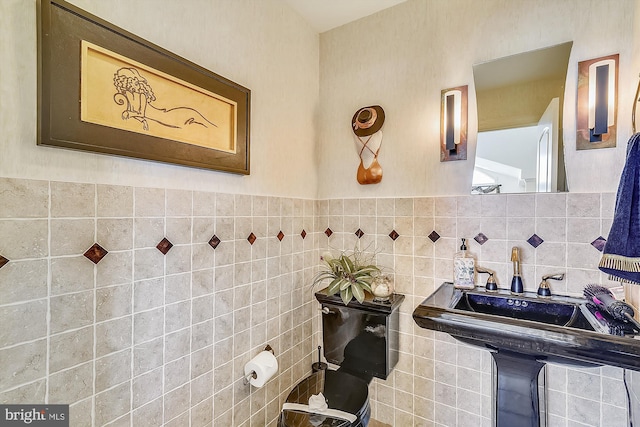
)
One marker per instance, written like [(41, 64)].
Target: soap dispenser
[(464, 271)]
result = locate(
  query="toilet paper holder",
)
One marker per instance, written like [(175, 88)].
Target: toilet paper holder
[(252, 374)]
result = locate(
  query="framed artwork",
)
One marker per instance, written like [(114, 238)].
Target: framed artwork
[(105, 90)]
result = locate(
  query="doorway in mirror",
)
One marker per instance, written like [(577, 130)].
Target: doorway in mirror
[(519, 160)]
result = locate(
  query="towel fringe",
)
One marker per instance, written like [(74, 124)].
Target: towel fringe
[(620, 263), (622, 280)]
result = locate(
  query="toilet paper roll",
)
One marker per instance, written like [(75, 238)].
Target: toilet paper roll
[(265, 365)]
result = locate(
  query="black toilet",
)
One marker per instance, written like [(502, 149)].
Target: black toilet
[(362, 340)]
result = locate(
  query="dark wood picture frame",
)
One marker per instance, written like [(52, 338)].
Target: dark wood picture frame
[(61, 29)]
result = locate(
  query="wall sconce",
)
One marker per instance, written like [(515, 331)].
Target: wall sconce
[(453, 124), (597, 103)]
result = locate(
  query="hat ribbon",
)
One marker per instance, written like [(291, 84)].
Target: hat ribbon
[(366, 125)]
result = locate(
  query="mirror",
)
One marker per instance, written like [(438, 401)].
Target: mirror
[(519, 146)]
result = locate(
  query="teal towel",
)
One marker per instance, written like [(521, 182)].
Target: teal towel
[(621, 253)]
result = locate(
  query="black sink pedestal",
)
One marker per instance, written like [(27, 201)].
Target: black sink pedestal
[(517, 389), (521, 343)]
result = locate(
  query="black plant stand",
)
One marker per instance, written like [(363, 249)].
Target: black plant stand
[(517, 390)]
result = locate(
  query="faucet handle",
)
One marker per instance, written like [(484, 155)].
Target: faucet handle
[(543, 289), (491, 285), (557, 276)]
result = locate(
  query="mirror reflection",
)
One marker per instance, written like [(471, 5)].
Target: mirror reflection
[(519, 146)]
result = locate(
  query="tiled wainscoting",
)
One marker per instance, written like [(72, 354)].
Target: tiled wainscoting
[(438, 381), (634, 394), (142, 337), (194, 284)]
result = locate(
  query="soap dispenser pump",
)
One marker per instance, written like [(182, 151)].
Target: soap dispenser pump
[(464, 271)]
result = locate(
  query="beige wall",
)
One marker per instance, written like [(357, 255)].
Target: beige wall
[(262, 45), (401, 58)]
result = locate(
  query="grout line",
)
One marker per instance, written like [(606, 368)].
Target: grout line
[(95, 311), (133, 293), (49, 280)]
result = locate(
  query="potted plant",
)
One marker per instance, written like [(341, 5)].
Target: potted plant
[(350, 274)]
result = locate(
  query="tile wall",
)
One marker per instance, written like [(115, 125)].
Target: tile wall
[(438, 381), (633, 380), (158, 330)]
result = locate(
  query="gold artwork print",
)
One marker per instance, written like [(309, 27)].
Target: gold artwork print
[(124, 94)]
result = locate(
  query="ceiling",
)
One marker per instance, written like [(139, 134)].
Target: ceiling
[(324, 15)]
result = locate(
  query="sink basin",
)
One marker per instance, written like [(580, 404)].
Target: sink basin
[(561, 312), (559, 329), (523, 333)]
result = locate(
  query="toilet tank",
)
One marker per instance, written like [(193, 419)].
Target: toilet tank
[(361, 337)]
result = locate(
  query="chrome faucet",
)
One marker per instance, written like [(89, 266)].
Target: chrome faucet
[(543, 289)]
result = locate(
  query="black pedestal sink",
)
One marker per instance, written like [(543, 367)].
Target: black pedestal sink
[(523, 333)]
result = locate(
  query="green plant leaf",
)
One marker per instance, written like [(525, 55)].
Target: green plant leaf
[(365, 285), (357, 291), (334, 286), (348, 264), (321, 277), (346, 296), (334, 265), (346, 283)]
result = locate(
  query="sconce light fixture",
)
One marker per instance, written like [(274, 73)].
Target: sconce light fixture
[(453, 124), (597, 103)]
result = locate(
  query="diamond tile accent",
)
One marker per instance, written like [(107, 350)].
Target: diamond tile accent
[(394, 235), (359, 233), (434, 236), (252, 238), (280, 236), (599, 243), (214, 242), (95, 253), (3, 261), (164, 246), (481, 238), (535, 240), (303, 234), (328, 232)]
